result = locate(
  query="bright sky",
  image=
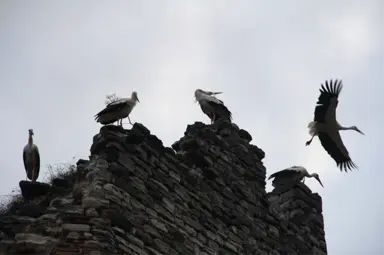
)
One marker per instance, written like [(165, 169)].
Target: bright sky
[(60, 58)]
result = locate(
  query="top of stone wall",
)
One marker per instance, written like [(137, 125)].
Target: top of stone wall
[(205, 195)]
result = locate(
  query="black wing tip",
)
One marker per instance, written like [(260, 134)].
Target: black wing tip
[(347, 165), (332, 86)]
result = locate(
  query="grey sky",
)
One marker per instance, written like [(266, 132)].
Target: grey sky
[(60, 58)]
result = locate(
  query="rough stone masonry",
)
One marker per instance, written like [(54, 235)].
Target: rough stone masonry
[(205, 196)]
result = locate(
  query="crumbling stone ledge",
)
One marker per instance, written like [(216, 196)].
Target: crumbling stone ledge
[(135, 196)]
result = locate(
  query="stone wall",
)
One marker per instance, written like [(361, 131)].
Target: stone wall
[(134, 196)]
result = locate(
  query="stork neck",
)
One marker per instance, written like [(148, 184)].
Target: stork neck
[(30, 140)]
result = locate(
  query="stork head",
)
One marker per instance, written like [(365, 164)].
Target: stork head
[(357, 130), (316, 176), (199, 91), (199, 94), (134, 96), (209, 93), (30, 131)]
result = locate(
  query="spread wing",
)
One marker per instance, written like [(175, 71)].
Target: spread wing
[(325, 110), (334, 146)]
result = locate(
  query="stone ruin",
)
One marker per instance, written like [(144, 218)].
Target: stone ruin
[(205, 196)]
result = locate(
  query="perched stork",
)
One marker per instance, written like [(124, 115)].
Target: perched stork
[(117, 110), (326, 127), (293, 174), (211, 106), (31, 158)]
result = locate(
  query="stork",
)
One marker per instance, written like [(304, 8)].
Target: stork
[(326, 127), (211, 106), (31, 158), (117, 110), (293, 174)]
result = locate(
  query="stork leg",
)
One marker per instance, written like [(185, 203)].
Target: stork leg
[(309, 141), (130, 121)]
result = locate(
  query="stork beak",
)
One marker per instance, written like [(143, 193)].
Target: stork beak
[(358, 130), (137, 99), (318, 179), (216, 93)]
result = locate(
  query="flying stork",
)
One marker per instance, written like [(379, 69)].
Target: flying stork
[(293, 174), (117, 110), (211, 106), (326, 127), (31, 158)]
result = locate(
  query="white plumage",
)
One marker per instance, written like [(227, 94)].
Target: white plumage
[(117, 110), (31, 158), (211, 106), (292, 174), (326, 127)]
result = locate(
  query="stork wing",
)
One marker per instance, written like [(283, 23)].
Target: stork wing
[(37, 163), (118, 101), (325, 110), (336, 149), (206, 109), (286, 173), (114, 106), (221, 111), (25, 159)]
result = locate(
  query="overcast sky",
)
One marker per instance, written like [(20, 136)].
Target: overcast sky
[(60, 58)]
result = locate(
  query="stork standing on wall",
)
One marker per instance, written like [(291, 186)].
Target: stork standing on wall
[(117, 110), (211, 106), (31, 158), (293, 174), (326, 127)]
